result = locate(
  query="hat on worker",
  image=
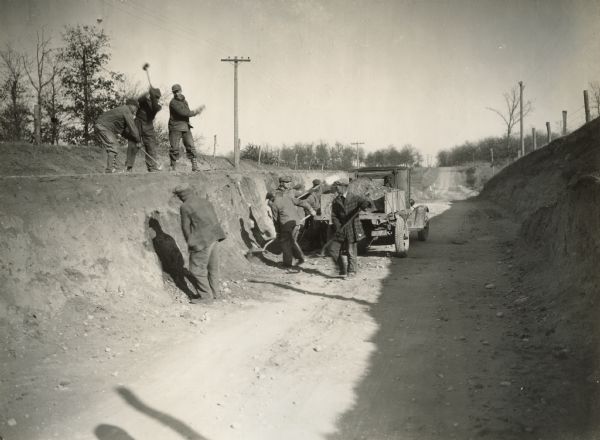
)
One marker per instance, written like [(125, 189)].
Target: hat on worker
[(180, 189), (176, 88), (316, 182), (269, 196), (341, 182), (298, 186), (285, 179), (154, 92), (132, 101)]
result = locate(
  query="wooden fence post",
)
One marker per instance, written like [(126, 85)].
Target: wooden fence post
[(534, 138), (548, 133), (564, 126), (586, 104)]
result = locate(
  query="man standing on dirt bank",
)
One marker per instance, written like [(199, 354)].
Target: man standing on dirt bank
[(288, 219), (348, 229), (112, 123), (179, 127), (144, 121), (202, 232)]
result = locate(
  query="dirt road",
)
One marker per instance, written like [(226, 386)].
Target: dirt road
[(427, 347)]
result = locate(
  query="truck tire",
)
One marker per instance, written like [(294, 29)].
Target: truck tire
[(423, 233), (401, 237)]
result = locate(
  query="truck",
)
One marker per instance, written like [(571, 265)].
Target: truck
[(393, 215)]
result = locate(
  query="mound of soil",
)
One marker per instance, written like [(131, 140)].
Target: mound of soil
[(555, 191)]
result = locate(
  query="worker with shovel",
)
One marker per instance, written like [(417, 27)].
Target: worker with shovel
[(348, 228), (288, 220), (202, 232), (144, 121)]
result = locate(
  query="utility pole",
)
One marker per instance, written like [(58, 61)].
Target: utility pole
[(357, 155), (521, 118), (214, 147), (236, 148)]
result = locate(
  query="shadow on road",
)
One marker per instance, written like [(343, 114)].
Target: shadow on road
[(446, 364), (175, 424), (307, 292), (171, 258), (111, 432)]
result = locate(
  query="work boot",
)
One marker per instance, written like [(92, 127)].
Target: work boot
[(194, 164), (111, 164), (129, 169), (173, 165)]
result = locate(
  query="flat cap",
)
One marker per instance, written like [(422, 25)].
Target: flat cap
[(285, 179), (176, 88), (316, 182), (341, 182), (180, 189), (269, 196)]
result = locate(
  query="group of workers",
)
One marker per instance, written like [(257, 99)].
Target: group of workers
[(135, 122), (284, 204), (289, 208), (203, 232)]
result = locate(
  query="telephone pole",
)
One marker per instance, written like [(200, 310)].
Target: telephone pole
[(236, 145), (357, 155)]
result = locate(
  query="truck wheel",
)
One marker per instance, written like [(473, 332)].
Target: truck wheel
[(424, 233), (401, 237)]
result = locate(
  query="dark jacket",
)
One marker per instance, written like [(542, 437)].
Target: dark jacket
[(285, 211), (148, 109), (120, 121), (199, 222), (342, 210), (179, 114)]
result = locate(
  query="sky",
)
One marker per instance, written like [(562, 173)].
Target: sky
[(382, 72)]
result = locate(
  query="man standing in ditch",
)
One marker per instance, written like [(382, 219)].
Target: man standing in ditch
[(144, 121), (202, 232), (110, 124), (288, 218), (180, 128), (348, 229)]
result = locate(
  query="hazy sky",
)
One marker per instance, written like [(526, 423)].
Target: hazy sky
[(381, 72)]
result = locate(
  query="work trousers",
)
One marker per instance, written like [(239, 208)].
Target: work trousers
[(150, 145), (336, 252), (188, 143), (109, 141), (290, 247), (204, 265)]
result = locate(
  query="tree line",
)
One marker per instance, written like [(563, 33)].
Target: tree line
[(70, 83), (338, 156), (505, 148)]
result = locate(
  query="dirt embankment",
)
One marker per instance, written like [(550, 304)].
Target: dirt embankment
[(104, 239), (555, 192)]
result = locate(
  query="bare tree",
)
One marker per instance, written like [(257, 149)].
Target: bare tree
[(53, 103), (15, 117), (510, 115), (595, 86), (38, 75)]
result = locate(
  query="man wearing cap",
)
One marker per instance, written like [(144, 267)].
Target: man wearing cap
[(148, 107), (288, 220), (118, 121), (202, 232), (179, 127), (348, 228)]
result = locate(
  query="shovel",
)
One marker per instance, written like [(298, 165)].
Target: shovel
[(326, 245), (251, 252)]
